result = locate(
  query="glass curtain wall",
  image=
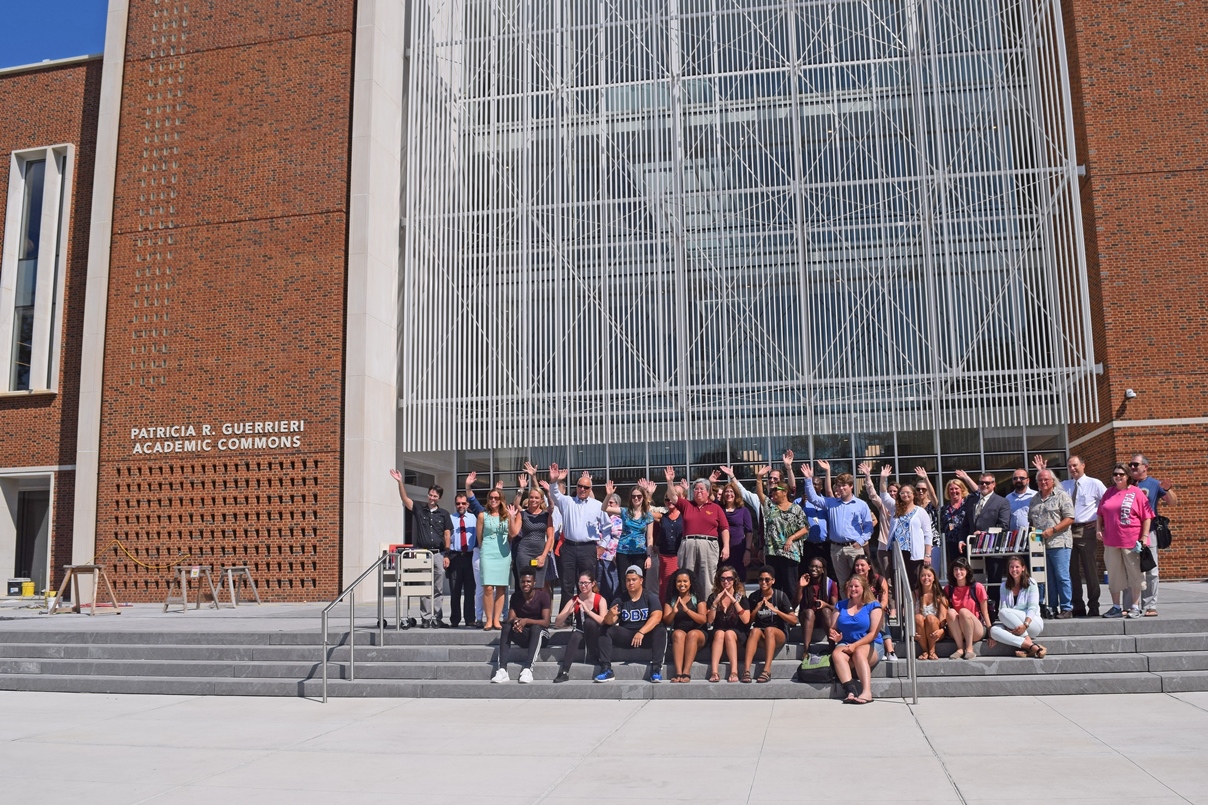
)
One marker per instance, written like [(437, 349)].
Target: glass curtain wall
[(732, 222)]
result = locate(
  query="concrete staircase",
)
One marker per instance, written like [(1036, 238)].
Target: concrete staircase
[(1085, 656)]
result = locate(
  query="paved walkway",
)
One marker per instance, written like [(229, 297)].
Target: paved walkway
[(175, 749)]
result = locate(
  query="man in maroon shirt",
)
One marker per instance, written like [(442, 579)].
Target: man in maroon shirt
[(706, 532)]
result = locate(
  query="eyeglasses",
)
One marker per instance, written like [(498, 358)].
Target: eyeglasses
[(636, 496), (1020, 478), (727, 578), (1135, 464), (767, 579), (494, 497), (1119, 474), (985, 483), (585, 584), (585, 486)]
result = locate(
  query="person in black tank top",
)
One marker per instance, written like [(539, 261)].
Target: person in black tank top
[(729, 617), (771, 616), (687, 615)]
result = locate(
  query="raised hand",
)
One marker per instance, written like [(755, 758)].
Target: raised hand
[(714, 476), (886, 470), (470, 479), (646, 485), (544, 485), (609, 487), (825, 465), (762, 470), (807, 472), (396, 475), (1039, 463), (513, 511), (522, 482), (530, 469), (669, 474), (585, 477), (499, 484), (556, 474), (727, 470), (920, 472), (964, 476), (865, 468), (787, 458)]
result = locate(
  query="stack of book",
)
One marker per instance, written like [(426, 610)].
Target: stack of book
[(996, 541)]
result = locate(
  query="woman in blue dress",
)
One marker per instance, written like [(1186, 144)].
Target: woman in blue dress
[(495, 559), (858, 634)]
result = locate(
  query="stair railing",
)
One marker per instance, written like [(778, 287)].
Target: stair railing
[(379, 566), (904, 599)]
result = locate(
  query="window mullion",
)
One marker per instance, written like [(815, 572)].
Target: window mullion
[(45, 287)]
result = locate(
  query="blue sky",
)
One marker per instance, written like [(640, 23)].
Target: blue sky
[(33, 30)]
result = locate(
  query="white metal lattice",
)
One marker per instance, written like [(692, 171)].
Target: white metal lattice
[(629, 220)]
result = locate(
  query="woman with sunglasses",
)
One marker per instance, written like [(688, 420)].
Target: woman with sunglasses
[(728, 617), (532, 531), (636, 546), (771, 616), (495, 558), (926, 499), (585, 613), (1125, 517), (686, 615), (784, 527)]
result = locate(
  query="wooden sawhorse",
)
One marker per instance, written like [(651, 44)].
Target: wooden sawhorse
[(180, 578), (97, 573), (227, 579)]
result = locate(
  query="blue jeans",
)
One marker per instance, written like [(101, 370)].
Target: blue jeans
[(606, 578), (1060, 591)]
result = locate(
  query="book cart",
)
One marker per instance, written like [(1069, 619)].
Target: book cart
[(999, 544)]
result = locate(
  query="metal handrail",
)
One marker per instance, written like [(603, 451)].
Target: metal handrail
[(379, 566), (905, 603)]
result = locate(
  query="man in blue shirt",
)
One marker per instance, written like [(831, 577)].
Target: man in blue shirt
[(1157, 491), (848, 520)]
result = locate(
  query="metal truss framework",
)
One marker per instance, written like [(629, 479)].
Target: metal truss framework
[(630, 220)]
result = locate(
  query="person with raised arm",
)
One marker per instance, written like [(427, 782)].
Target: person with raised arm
[(494, 529), (636, 546), (479, 588), (433, 530), (848, 520), (741, 521), (685, 613), (532, 532), (583, 521), (784, 527), (815, 545), (878, 547), (706, 530), (728, 618), (668, 536)]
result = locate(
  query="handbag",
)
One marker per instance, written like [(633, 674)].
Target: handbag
[(1161, 530), (815, 668), (1148, 563)]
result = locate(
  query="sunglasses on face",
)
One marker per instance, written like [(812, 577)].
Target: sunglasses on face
[(765, 580), (585, 486), (1135, 464), (1119, 474), (727, 578), (985, 483)]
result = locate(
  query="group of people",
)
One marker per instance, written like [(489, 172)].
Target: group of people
[(695, 544)]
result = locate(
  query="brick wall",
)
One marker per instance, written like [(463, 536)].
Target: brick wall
[(1140, 73), (227, 292), (50, 106)]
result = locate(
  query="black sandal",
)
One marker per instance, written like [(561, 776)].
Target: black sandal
[(745, 676)]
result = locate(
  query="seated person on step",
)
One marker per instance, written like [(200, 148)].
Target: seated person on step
[(585, 614), (686, 615), (771, 616), (528, 616), (968, 608), (858, 634), (634, 619)]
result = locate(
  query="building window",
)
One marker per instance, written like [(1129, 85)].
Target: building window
[(31, 272)]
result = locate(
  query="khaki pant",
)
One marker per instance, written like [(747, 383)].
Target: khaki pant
[(699, 555), (843, 558), (1123, 573)]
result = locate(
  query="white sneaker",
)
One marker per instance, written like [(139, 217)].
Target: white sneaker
[(1135, 612), (502, 676), (526, 676), (891, 657)]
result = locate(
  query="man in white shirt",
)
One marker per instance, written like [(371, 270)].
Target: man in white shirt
[(1086, 492)]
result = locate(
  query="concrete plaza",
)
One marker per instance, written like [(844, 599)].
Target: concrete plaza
[(180, 749)]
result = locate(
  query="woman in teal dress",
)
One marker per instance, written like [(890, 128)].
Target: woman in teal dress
[(495, 559)]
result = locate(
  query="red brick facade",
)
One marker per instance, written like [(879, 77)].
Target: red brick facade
[(226, 294), (41, 108), (1140, 79)]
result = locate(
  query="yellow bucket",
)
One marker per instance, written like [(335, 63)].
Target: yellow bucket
[(27, 589)]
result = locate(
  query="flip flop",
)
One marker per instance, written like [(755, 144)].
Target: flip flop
[(858, 700), (713, 677)]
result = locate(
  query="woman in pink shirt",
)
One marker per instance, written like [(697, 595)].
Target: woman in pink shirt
[(1124, 519)]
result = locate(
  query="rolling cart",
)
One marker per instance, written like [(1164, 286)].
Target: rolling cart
[(408, 574)]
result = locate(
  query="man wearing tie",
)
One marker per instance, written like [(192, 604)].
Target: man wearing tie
[(1086, 492), (462, 542)]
